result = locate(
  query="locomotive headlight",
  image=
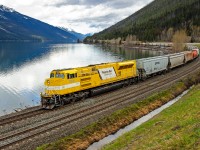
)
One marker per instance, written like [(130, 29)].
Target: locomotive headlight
[(48, 82)]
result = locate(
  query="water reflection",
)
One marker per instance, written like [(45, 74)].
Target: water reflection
[(129, 53), (12, 55), (24, 66)]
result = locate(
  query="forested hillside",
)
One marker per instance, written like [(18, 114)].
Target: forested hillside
[(158, 21)]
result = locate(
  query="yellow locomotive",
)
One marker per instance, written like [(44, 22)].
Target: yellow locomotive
[(69, 85)]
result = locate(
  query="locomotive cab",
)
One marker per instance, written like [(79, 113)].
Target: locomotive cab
[(59, 83)]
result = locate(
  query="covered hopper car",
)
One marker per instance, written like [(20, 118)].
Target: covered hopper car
[(152, 65), (176, 60)]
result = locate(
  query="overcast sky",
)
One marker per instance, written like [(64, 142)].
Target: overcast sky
[(84, 16)]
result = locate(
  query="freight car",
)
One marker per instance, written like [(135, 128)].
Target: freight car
[(189, 56), (153, 65), (69, 85), (193, 48), (195, 53), (176, 60)]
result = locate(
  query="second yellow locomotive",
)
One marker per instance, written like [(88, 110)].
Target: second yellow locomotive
[(69, 85)]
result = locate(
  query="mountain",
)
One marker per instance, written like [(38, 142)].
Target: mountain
[(80, 36), (89, 34), (16, 26), (157, 21)]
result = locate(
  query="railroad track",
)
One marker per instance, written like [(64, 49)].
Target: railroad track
[(19, 117), (16, 137)]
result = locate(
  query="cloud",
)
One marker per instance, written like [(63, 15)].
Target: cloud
[(84, 16), (111, 3)]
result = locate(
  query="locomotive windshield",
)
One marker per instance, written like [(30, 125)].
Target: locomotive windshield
[(60, 75)]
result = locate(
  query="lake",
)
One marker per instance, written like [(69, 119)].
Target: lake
[(24, 67)]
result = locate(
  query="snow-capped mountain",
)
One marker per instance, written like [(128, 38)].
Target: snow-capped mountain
[(80, 36), (4, 8), (16, 26)]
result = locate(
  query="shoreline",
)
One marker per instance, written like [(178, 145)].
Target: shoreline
[(165, 48)]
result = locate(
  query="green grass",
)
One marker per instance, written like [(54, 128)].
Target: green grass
[(177, 127)]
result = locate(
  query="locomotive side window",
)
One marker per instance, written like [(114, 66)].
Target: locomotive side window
[(71, 76), (52, 75)]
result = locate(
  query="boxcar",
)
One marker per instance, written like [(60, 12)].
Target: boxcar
[(195, 53), (188, 56), (152, 65), (176, 60)]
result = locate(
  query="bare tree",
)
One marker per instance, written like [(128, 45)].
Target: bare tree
[(179, 39)]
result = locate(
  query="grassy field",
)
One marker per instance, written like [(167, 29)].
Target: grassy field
[(177, 127)]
